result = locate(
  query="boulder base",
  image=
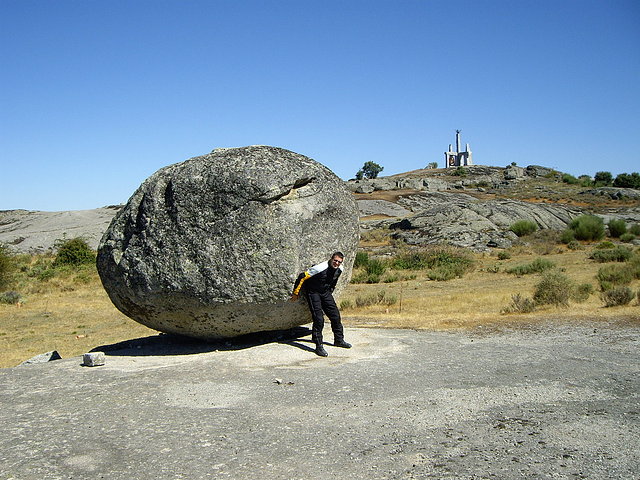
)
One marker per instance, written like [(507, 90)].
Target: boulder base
[(210, 247)]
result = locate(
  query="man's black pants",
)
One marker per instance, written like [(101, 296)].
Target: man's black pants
[(324, 302)]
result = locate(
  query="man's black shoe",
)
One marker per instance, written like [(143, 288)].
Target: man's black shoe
[(342, 344), (321, 351)]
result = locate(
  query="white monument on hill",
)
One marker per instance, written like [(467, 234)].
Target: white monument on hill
[(458, 158)]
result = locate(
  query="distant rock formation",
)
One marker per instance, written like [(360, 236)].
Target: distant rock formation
[(210, 247), (462, 220), (26, 231)]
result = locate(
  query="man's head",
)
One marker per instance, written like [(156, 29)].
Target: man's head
[(336, 259)]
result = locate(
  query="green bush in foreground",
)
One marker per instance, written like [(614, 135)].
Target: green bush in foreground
[(627, 237), (520, 304), (523, 227), (539, 265), (617, 227), (434, 258), (504, 255), (568, 236), (75, 251), (587, 227), (611, 276), (373, 270), (6, 266), (581, 293), (554, 289), (617, 254), (634, 229), (10, 297), (361, 260), (379, 298), (574, 245), (617, 296)]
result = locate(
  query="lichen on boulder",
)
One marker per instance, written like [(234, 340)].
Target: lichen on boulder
[(210, 247)]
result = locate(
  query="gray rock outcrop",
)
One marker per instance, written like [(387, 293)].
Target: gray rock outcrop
[(513, 172), (381, 207), (210, 247), (614, 193), (462, 220), (42, 358), (27, 231)]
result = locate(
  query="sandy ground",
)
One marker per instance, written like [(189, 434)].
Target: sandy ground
[(538, 402)]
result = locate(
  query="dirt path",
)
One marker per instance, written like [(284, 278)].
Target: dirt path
[(543, 402)]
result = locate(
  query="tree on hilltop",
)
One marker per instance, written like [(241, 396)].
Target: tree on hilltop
[(626, 180), (602, 179), (369, 170)]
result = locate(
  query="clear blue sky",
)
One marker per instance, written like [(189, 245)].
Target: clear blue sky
[(95, 96)]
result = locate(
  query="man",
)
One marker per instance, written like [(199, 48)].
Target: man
[(318, 284)]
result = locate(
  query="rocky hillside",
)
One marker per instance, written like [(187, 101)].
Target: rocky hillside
[(26, 231), (476, 209), (473, 210)]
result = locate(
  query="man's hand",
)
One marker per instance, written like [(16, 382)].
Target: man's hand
[(294, 297)]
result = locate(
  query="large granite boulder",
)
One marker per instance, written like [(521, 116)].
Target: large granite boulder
[(211, 247)]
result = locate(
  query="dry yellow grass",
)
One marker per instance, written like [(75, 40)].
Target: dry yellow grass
[(69, 321), (479, 297), (73, 314)]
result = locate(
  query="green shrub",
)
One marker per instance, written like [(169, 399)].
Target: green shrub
[(520, 304), (611, 276), (504, 255), (587, 227), (617, 296), (634, 265), (432, 258), (379, 298), (574, 245), (627, 237), (10, 297), (460, 172), (570, 179), (626, 180), (635, 229), (364, 277), (7, 265), (585, 181), (523, 227), (361, 260), (346, 304), (604, 245), (581, 293), (553, 289), (617, 227), (617, 254), (75, 251), (375, 267), (568, 236), (46, 274), (602, 179), (539, 265), (446, 272), (443, 263)]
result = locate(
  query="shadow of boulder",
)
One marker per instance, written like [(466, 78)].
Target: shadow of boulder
[(171, 344)]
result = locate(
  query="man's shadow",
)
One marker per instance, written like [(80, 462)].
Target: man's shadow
[(171, 344)]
